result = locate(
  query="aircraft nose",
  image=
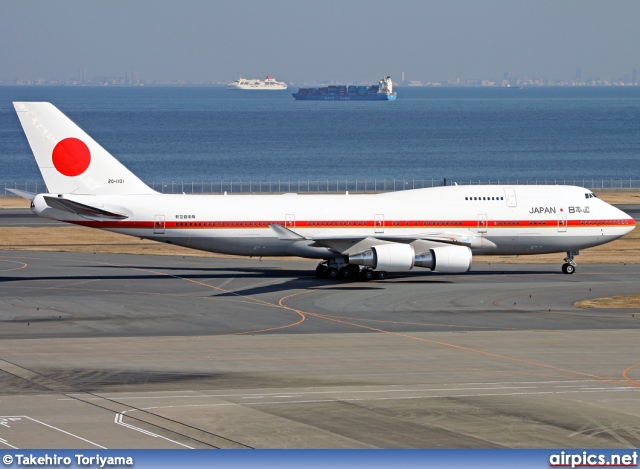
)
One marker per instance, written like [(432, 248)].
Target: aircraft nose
[(632, 224), (629, 221)]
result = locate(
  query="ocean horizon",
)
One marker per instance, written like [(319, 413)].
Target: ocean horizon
[(459, 134)]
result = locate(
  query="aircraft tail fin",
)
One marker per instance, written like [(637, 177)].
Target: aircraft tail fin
[(70, 161)]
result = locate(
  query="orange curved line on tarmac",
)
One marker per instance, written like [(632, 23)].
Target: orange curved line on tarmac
[(252, 300), (625, 375), (197, 282), (432, 324), (460, 347), (243, 297), (13, 262), (279, 305), (157, 273), (141, 292), (328, 318)]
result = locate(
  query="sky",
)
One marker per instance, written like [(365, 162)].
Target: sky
[(315, 40)]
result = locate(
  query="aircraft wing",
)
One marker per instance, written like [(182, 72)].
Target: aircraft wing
[(341, 243), (83, 210), (446, 238)]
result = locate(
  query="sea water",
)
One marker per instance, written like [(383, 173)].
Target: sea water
[(462, 134)]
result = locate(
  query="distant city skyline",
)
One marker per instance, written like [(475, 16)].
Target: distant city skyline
[(204, 41), (133, 79)]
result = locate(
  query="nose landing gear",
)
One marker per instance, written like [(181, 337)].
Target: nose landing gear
[(569, 266)]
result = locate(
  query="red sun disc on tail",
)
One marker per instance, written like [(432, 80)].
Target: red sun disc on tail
[(71, 157)]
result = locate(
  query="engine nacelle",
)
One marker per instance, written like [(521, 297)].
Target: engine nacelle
[(390, 257), (446, 259)]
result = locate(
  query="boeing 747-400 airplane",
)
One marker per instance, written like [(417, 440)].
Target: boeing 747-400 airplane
[(368, 235)]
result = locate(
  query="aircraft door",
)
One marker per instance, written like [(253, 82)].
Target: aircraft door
[(158, 224), (290, 221), (378, 222), (482, 223), (562, 222), (510, 195)]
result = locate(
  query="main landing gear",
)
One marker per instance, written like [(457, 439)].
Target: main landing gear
[(340, 270), (569, 266)]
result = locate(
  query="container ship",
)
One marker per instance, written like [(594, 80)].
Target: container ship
[(380, 92)]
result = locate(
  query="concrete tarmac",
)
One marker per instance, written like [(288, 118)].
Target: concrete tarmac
[(25, 217), (126, 351)]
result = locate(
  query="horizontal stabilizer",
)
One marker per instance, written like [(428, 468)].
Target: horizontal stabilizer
[(23, 194), (82, 209)]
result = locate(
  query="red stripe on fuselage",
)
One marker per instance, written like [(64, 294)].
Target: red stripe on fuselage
[(333, 224)]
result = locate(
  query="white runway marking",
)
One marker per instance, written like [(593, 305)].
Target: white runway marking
[(18, 417), (226, 282), (371, 395), (585, 385), (119, 421), (6, 443)]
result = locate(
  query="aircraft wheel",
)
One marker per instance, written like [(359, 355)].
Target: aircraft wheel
[(367, 274), (321, 271), (568, 268), (381, 274), (346, 273), (333, 272)]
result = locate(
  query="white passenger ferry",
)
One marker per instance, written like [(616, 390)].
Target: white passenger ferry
[(268, 83)]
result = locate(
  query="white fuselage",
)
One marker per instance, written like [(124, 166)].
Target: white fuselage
[(495, 219)]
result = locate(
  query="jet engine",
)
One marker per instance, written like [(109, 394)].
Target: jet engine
[(446, 259), (398, 257), (390, 257)]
